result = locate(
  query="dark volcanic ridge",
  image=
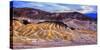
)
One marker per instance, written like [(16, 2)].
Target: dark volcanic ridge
[(32, 13)]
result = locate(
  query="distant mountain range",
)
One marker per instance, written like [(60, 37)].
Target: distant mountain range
[(40, 14), (92, 15)]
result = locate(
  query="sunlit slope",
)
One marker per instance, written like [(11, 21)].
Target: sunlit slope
[(50, 31)]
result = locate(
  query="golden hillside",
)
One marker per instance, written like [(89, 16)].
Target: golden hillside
[(49, 31)]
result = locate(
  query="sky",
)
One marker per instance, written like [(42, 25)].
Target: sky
[(90, 10)]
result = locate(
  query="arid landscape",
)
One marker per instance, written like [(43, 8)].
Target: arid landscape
[(42, 25), (33, 28)]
